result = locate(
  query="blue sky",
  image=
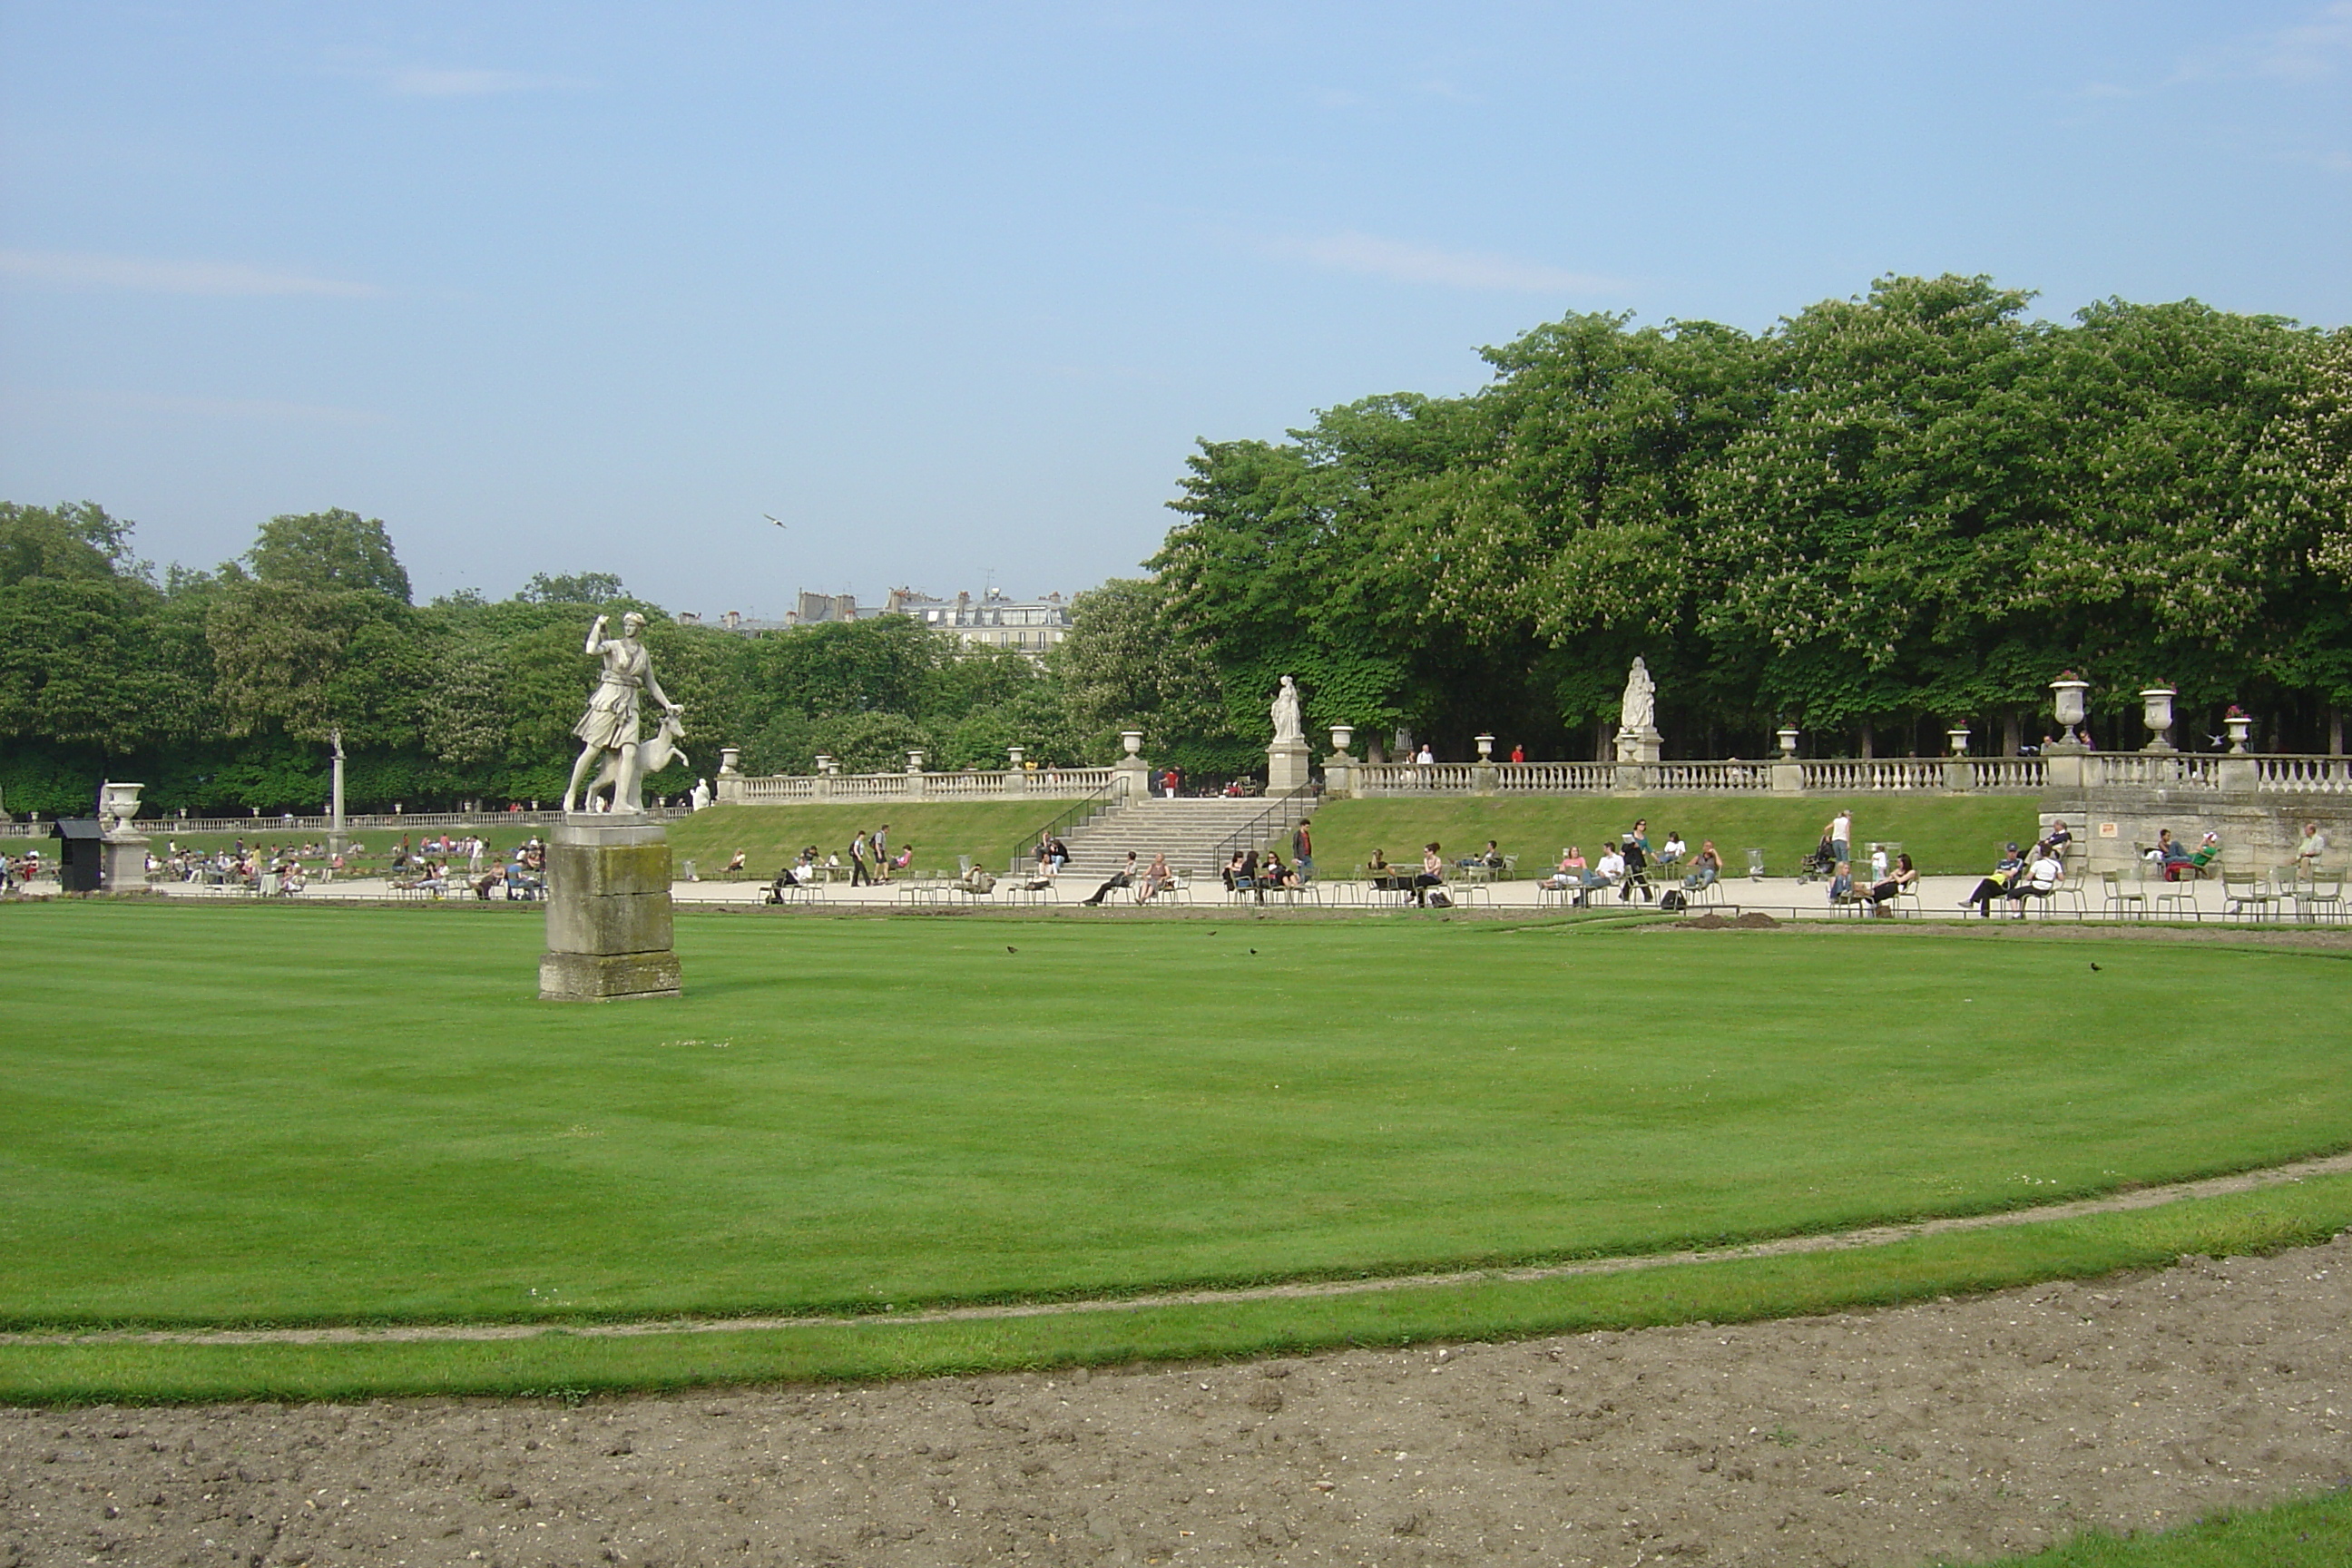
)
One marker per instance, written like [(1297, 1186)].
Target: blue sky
[(953, 288)]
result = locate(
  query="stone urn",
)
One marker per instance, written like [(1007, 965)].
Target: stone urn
[(2156, 712), (1486, 748), (1788, 739), (1133, 741), (1342, 737), (2066, 699), (729, 760), (1959, 736), (914, 762), (118, 803), (2241, 730)]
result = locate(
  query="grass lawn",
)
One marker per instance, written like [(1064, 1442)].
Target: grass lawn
[(990, 832), (2315, 1532), (1945, 834), (258, 1113)]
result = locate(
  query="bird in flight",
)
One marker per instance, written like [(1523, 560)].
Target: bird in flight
[(771, 518)]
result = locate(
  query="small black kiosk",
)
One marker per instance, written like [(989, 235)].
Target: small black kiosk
[(81, 853)]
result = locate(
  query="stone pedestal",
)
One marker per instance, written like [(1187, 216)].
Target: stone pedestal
[(608, 915), (122, 863), (1286, 767), (1639, 745)]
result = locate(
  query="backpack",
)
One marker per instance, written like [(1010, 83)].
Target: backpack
[(1440, 902), (1672, 902)]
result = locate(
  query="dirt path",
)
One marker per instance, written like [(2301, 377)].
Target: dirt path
[(1961, 1428)]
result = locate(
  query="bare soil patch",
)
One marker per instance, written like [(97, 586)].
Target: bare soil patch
[(1964, 1429)]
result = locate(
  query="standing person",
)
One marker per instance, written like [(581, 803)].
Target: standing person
[(1168, 781), (1302, 853), (1424, 762), (1637, 869), (1518, 753), (1840, 833), (858, 874), (882, 853)]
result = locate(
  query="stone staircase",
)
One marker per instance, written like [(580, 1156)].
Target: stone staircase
[(1195, 835)]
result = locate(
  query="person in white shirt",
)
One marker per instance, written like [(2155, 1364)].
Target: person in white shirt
[(1840, 835), (1671, 853), (1611, 871)]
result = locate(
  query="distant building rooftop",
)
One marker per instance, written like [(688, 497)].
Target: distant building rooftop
[(994, 619)]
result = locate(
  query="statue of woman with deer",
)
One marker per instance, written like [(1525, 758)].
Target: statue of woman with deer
[(608, 731)]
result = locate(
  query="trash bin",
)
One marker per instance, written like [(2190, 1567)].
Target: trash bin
[(1756, 865)]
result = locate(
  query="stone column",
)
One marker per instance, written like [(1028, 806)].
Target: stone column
[(608, 913), (1787, 772), (728, 785)]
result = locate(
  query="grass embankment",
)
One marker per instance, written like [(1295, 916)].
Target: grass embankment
[(1944, 835), (990, 832), (2315, 1532), (572, 1365), (280, 1114)]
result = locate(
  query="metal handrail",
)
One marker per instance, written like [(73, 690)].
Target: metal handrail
[(1247, 836), (1079, 814)]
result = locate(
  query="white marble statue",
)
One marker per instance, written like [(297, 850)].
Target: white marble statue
[(701, 793), (608, 731), (1640, 714), (1287, 725)]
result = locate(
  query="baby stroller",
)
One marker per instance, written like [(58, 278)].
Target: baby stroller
[(1818, 867)]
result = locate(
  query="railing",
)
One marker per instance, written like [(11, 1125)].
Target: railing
[(1044, 784), (367, 822), (1872, 777), (1409, 778), (1556, 778), (2304, 775), (2153, 770), (1704, 778), (2009, 772)]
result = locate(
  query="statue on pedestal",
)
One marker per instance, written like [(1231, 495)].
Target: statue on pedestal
[(608, 731), (1637, 717), (1287, 726)]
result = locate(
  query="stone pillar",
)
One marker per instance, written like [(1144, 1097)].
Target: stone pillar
[(1133, 773), (1286, 767), (608, 914), (122, 852), (728, 785), (1340, 768)]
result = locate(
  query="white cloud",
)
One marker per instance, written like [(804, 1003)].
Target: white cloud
[(1407, 263), (468, 83), (2310, 51), (146, 275)]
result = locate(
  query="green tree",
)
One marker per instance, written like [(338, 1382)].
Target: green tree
[(572, 588), (332, 551)]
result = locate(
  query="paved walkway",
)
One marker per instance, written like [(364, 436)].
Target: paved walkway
[(1783, 898)]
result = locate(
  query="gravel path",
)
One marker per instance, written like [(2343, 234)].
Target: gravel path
[(1963, 1428)]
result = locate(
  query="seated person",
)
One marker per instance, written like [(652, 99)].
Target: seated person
[(2043, 872), (496, 877), (1490, 858), (1608, 873), (2194, 867), (1841, 883), (2010, 869), (1122, 878), (1156, 880), (1671, 853), (734, 865), (2168, 852), (1572, 873), (1236, 869), (1904, 876), (1706, 869), (1378, 868), (2308, 851), (1432, 874)]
